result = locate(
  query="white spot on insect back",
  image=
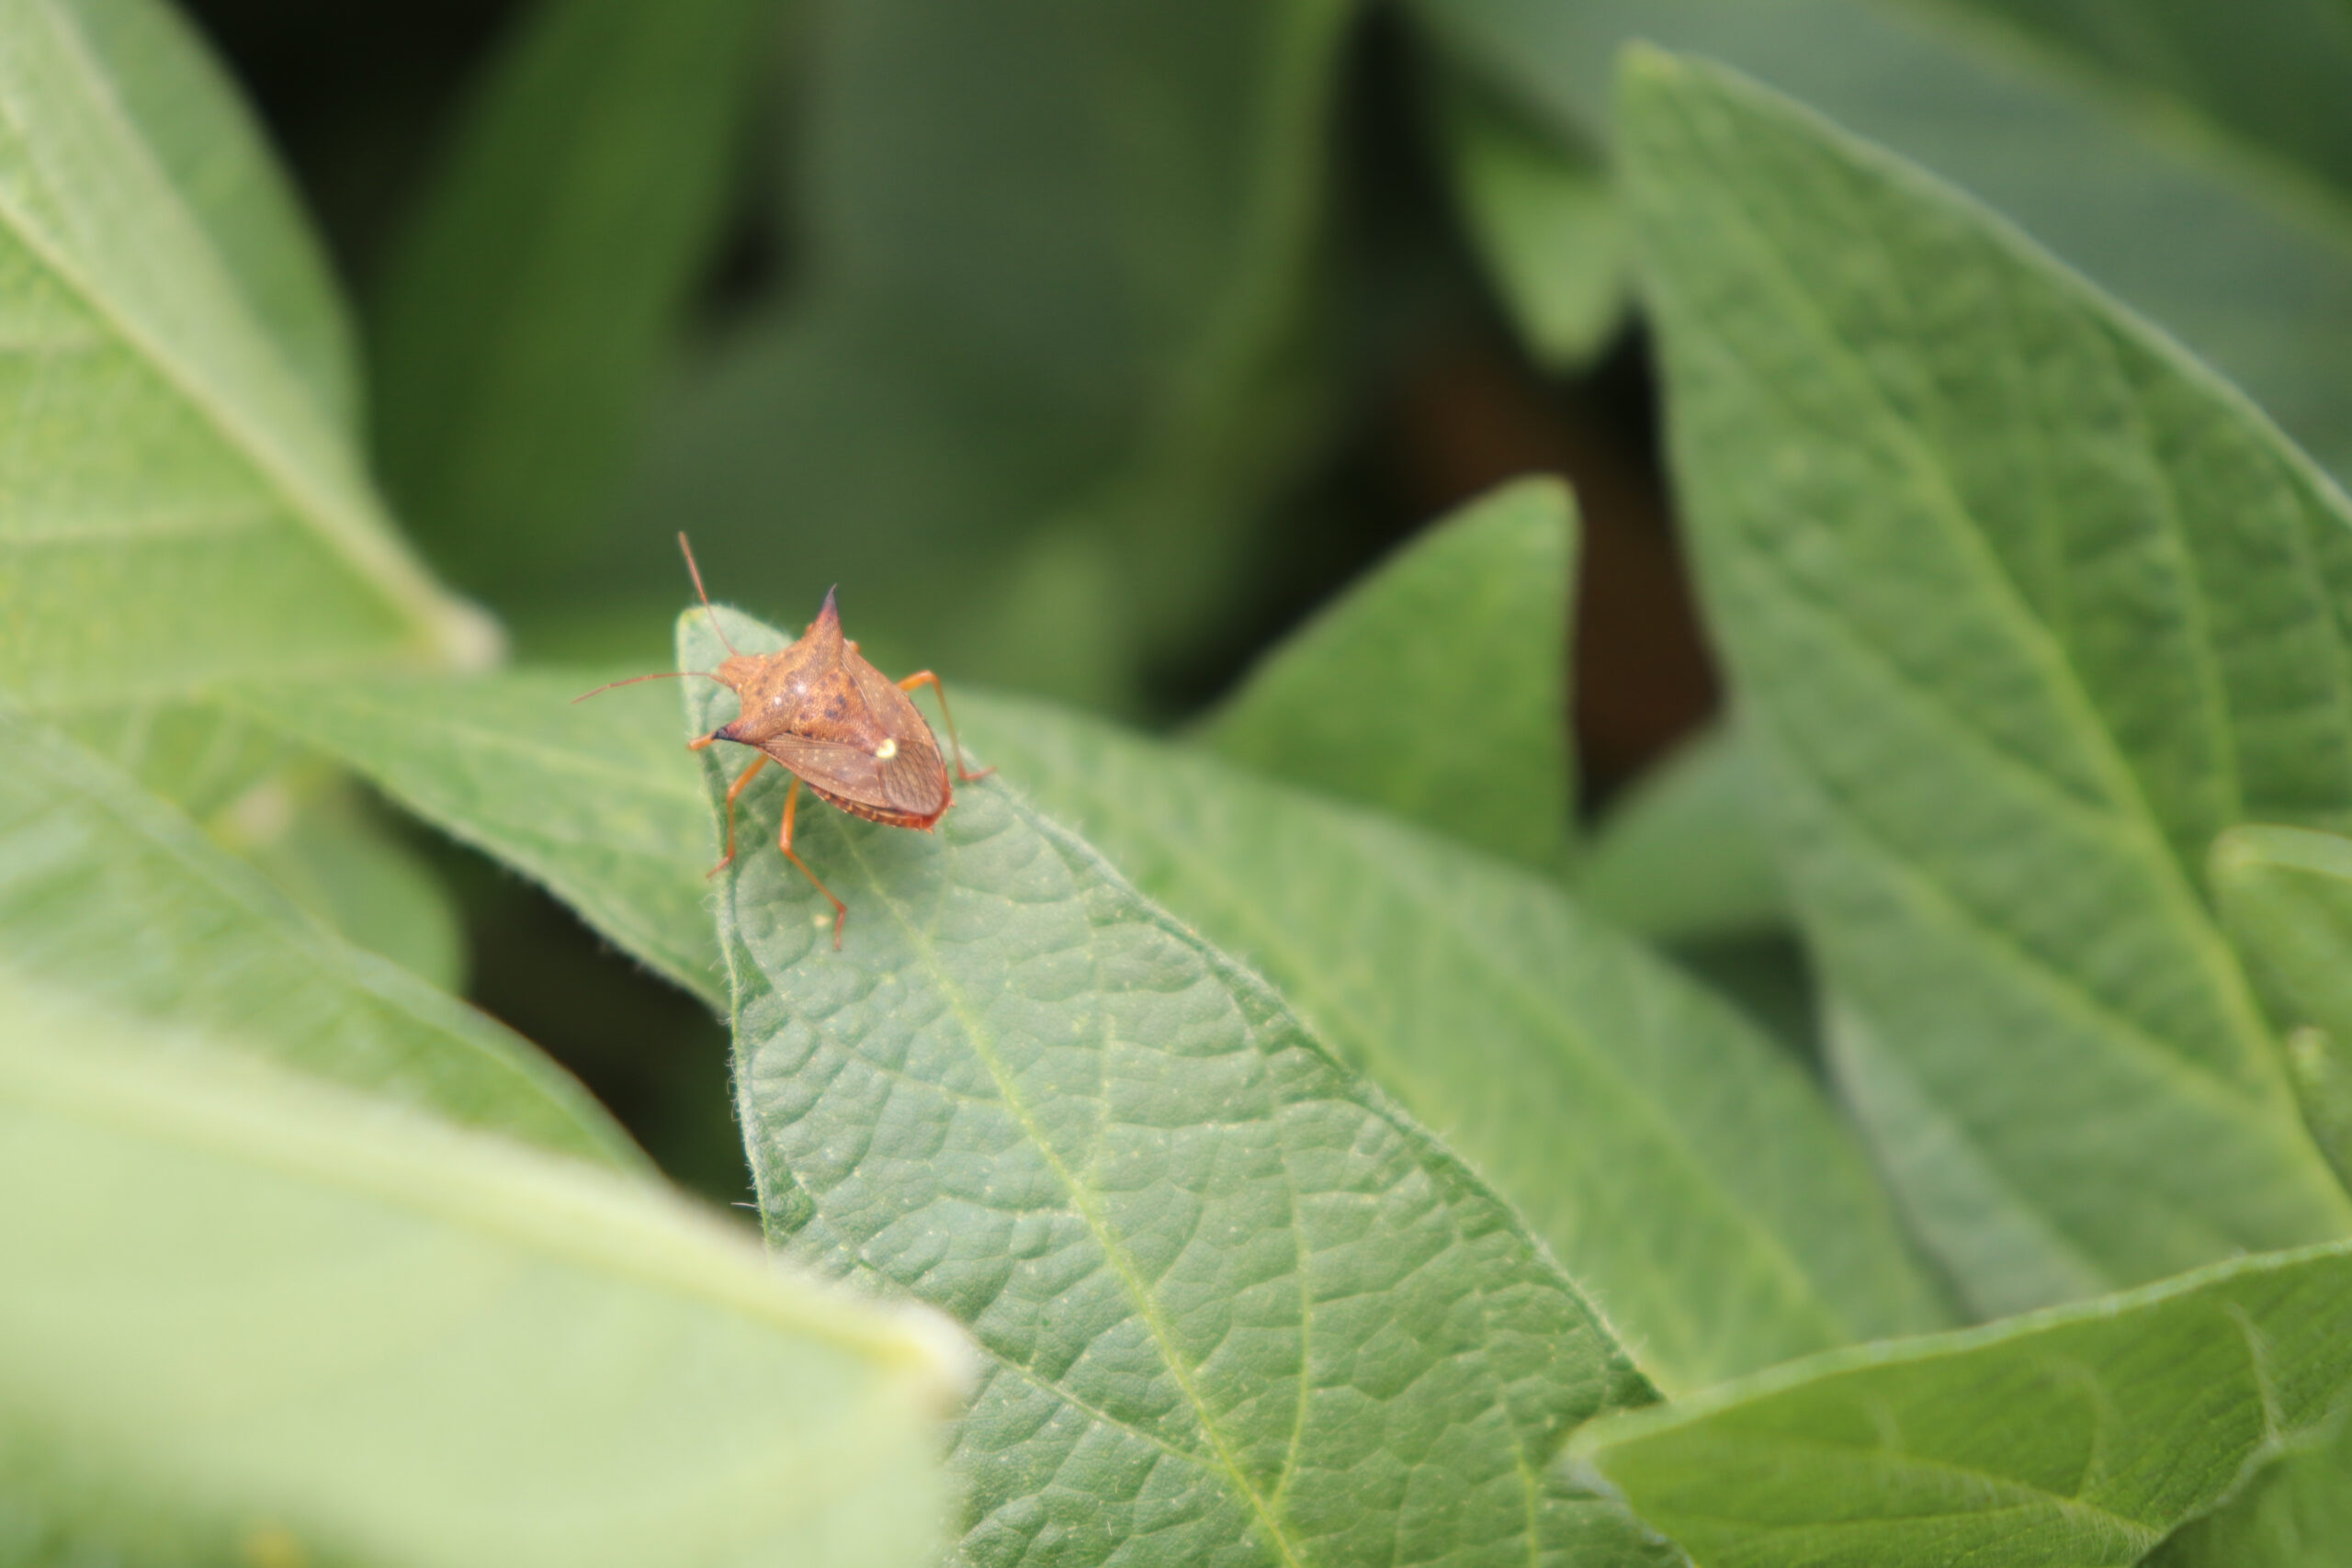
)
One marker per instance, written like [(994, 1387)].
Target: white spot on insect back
[(888, 750)]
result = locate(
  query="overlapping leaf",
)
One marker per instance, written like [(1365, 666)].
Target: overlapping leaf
[(2142, 142), (595, 800), (1235, 1304), (2024, 607), (178, 493), (1674, 1160), (1684, 856), (247, 1319), (112, 894), (1437, 688), (2081, 1435)]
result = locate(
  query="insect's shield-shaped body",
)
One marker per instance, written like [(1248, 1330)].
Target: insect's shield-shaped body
[(825, 712)]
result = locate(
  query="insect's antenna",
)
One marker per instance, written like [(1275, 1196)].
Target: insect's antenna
[(695, 572), (657, 675)]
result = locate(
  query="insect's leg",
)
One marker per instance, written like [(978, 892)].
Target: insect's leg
[(924, 677), (783, 842), (733, 790)]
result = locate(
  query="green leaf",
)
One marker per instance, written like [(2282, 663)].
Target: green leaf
[(595, 801), (1543, 220), (533, 298), (1052, 335), (184, 109), (2285, 896), (2080, 1435), (326, 852), (2022, 607), (250, 1318), (108, 892), (176, 500), (1437, 688), (2295, 1513), (1234, 1305), (1670, 1154), (2134, 175), (1685, 856)]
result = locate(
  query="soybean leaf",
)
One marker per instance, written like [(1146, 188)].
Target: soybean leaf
[(251, 1318), (1684, 857), (185, 111), (176, 501), (1543, 220), (1437, 688), (321, 846), (2077, 1435), (596, 801), (2295, 1513), (2285, 895), (2132, 173), (2022, 607), (1674, 1160), (1049, 346), (1234, 1304), (110, 893), (535, 296)]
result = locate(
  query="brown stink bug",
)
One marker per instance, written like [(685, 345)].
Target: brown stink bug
[(834, 723)]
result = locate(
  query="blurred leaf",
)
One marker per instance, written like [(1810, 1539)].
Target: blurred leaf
[(322, 848), (2285, 895), (111, 893), (2081, 1435), (186, 112), (1053, 315), (1437, 687), (1685, 857), (2136, 179), (1235, 1306), (1544, 221), (176, 501), (2023, 608), (2296, 1512), (251, 1319), (1674, 1160), (2271, 72), (536, 295), (596, 801)]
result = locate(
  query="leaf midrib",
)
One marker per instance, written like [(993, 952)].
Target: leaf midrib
[(980, 1039), (376, 561), (2002, 591)]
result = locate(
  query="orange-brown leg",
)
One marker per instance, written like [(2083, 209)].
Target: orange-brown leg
[(924, 677), (783, 842), (733, 790)]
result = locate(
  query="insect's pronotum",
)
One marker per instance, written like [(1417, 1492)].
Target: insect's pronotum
[(833, 722)]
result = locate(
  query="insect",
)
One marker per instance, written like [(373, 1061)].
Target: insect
[(834, 723)]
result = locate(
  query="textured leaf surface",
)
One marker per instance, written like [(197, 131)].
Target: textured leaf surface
[(251, 1319), (1045, 365), (1676, 1162), (534, 298), (1685, 856), (2296, 1512), (1545, 223), (176, 500), (597, 800), (1436, 689), (2286, 897), (2123, 167), (1235, 1306), (2080, 1436), (108, 892), (2023, 608)]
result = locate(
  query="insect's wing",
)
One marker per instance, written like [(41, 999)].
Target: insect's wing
[(909, 782)]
